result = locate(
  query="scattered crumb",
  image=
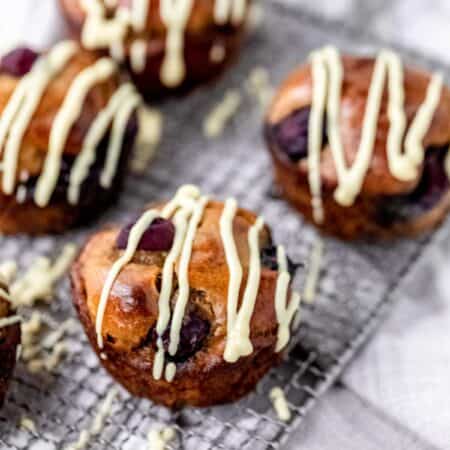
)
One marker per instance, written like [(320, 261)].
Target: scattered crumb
[(27, 424), (280, 404), (218, 118), (258, 86), (98, 423), (159, 438), (312, 277), (38, 281), (149, 137)]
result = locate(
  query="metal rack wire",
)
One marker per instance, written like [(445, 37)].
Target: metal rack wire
[(356, 289)]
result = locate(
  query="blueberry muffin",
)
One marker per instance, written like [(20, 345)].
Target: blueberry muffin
[(359, 145), (190, 304), (9, 341), (168, 47), (67, 126)]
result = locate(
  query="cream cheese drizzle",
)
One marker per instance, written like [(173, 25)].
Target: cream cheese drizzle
[(238, 341), (285, 313), (327, 72), (133, 241), (139, 14), (23, 103), (99, 127), (175, 16), (230, 11), (64, 120), (117, 138), (8, 321), (138, 55)]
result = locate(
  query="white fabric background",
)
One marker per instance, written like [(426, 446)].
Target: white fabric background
[(396, 394)]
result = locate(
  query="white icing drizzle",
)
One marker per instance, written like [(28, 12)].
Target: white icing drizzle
[(280, 404), (38, 282), (284, 312), (234, 266), (148, 138), (133, 241), (312, 277), (21, 194), (219, 116), (117, 137), (99, 422), (23, 103), (238, 340), (447, 164), (230, 10), (158, 439), (139, 14), (86, 157), (328, 76), (183, 275), (98, 31), (175, 15), (64, 120), (8, 321), (138, 55)]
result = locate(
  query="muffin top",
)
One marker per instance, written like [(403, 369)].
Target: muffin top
[(129, 309), (373, 100), (55, 106)]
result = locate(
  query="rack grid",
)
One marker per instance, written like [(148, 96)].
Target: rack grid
[(357, 285)]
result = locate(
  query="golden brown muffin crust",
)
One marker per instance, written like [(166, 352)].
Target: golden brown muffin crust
[(132, 312)]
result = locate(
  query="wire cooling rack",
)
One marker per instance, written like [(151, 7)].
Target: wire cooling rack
[(356, 287)]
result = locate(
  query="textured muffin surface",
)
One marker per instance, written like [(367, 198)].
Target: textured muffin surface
[(203, 377)]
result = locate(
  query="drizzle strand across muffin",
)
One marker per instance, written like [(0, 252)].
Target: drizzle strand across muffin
[(360, 145), (190, 304)]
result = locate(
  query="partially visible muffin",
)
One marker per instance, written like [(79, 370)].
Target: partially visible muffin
[(45, 185), (9, 341), (209, 364), (162, 60), (406, 200)]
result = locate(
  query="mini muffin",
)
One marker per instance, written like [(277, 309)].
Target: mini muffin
[(159, 301), (9, 341), (67, 127), (362, 156), (168, 47)]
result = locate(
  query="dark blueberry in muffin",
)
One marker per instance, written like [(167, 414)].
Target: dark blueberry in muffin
[(269, 260), (193, 333), (18, 62), (157, 238), (291, 134), (430, 190)]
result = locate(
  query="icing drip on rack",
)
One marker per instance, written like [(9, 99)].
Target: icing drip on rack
[(100, 31), (186, 211), (328, 75)]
